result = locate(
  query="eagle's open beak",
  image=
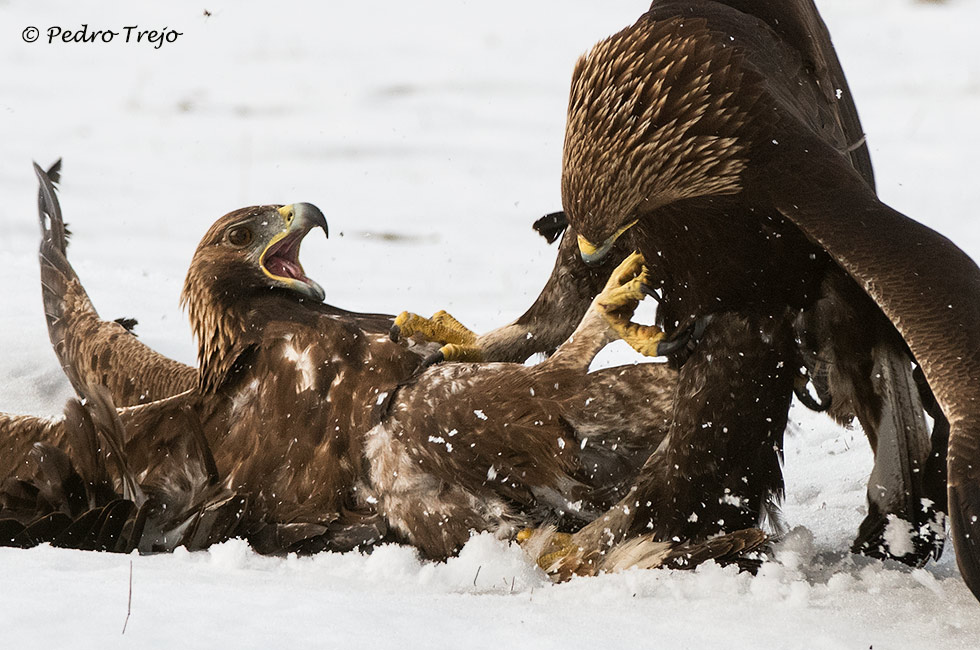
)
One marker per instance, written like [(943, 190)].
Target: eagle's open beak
[(593, 254), (280, 259)]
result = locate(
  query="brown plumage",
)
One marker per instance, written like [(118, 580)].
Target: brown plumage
[(753, 236), (310, 429), (661, 97), (91, 350)]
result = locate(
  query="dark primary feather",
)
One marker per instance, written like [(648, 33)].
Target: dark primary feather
[(551, 226), (79, 489)]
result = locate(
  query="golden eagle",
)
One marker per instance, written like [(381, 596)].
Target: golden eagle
[(700, 137), (666, 119), (309, 429)]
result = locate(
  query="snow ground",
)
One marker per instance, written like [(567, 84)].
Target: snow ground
[(430, 134)]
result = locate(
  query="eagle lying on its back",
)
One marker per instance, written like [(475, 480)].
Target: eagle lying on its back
[(308, 428)]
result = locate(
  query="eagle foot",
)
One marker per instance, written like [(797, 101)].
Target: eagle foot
[(441, 327), (558, 554), (626, 287), (455, 352)]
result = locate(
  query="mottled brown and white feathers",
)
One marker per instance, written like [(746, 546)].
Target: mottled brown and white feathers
[(502, 446), (316, 419)]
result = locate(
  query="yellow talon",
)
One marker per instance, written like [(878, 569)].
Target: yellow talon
[(445, 320), (556, 547), (441, 328), (464, 353), (618, 301)]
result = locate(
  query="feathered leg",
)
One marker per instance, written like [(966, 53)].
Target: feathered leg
[(718, 469)]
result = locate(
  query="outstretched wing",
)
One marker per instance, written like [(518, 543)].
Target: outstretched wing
[(93, 351), (928, 288)]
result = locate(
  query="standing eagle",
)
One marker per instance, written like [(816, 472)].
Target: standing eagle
[(308, 428), (667, 122), (696, 136)]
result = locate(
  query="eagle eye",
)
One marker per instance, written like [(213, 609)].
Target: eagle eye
[(240, 236)]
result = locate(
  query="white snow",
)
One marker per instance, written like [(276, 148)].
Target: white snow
[(430, 134), (898, 536)]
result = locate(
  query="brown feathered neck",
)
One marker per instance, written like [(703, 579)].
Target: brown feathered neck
[(217, 307), (227, 293), (656, 114)]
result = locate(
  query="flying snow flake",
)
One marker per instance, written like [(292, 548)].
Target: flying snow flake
[(480, 414), (731, 500)]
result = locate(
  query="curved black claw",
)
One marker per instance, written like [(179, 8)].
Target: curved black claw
[(806, 398), (649, 291), (395, 333), (686, 339), (436, 357)]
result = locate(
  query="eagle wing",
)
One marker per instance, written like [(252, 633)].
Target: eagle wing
[(799, 25), (928, 288), (93, 351), (101, 479)]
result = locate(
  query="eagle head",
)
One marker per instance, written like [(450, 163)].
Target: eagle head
[(657, 113), (246, 253)]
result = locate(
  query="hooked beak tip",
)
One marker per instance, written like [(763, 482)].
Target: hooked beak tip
[(304, 216)]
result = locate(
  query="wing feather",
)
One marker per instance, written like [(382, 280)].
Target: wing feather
[(928, 288), (93, 351)]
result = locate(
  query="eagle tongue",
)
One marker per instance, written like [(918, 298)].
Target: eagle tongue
[(284, 267)]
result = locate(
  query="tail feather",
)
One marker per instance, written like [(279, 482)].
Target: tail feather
[(900, 484)]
